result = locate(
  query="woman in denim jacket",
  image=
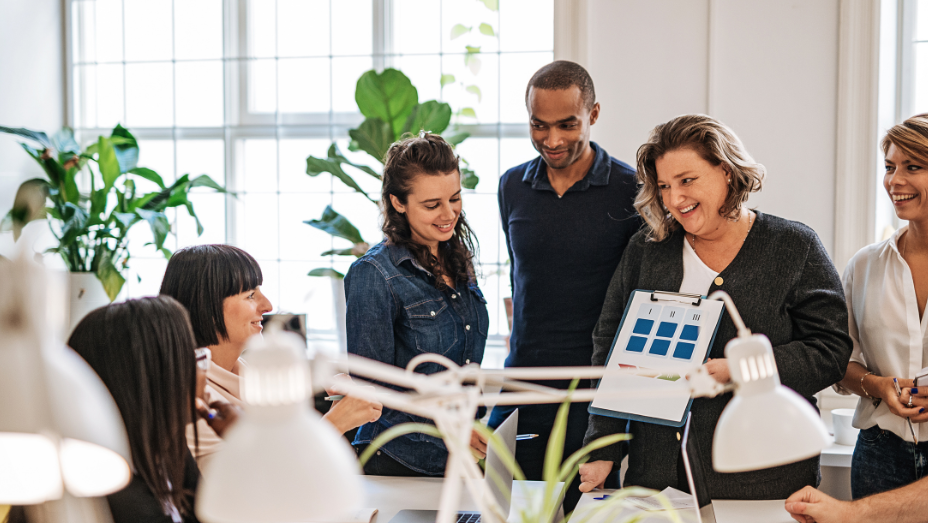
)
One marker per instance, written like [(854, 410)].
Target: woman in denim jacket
[(416, 292)]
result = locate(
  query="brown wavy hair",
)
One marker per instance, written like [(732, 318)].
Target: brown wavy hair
[(910, 137), (717, 144), (425, 155)]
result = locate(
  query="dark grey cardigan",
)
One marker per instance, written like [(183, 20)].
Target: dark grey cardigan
[(785, 287)]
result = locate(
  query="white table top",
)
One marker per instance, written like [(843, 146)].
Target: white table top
[(720, 511), (389, 495)]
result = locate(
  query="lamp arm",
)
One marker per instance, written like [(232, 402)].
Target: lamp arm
[(743, 331)]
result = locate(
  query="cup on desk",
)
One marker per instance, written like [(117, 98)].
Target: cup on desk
[(845, 433)]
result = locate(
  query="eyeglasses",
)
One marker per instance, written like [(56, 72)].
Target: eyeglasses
[(204, 356)]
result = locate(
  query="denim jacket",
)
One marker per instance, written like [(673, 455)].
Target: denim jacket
[(394, 313)]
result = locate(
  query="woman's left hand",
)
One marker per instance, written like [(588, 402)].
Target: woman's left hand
[(478, 445), (919, 397), (718, 369)]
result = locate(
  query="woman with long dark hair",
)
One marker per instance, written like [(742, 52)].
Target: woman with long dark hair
[(416, 292), (143, 350)]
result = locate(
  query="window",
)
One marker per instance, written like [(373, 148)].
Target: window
[(245, 90)]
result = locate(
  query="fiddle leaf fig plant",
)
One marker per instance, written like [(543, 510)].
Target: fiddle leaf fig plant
[(390, 105), (91, 199)]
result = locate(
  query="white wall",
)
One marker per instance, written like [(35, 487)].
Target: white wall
[(32, 89), (767, 68)]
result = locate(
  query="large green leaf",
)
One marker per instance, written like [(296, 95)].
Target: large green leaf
[(160, 226), (373, 136), (109, 276), (336, 225), (333, 165), (431, 116), (456, 138), (205, 181), (35, 136), (126, 148), (74, 222), (469, 178), (63, 141), (148, 174), (331, 273), (389, 96), (108, 163)]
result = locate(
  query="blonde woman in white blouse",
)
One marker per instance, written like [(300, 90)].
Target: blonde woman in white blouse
[(886, 285)]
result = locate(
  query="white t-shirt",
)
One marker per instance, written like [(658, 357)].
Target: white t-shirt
[(697, 276), (889, 339)]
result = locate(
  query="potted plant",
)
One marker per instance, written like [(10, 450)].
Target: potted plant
[(91, 200)]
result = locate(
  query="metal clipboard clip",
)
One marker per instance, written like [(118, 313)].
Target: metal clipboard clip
[(677, 296)]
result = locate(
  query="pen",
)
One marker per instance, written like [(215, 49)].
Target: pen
[(523, 437), (907, 420), (335, 397)]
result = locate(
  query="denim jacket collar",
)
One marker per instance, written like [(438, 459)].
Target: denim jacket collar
[(537, 174), (399, 254)]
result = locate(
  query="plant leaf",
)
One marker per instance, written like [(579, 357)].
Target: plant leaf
[(205, 181), (473, 63), (160, 226), (28, 205), (458, 30), (373, 136), (469, 179), (332, 273), (148, 174), (456, 138), (74, 224), (473, 89), (336, 225), (492, 5), (468, 112), (126, 219), (487, 29), (472, 49), (109, 164), (447, 79), (315, 166), (109, 276), (389, 96), (339, 252), (431, 116), (63, 141), (126, 148), (35, 136), (336, 155)]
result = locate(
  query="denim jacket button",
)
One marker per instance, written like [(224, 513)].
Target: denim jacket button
[(453, 296), (433, 313), (466, 361), (467, 327)]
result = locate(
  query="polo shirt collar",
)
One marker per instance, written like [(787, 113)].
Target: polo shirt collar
[(537, 174)]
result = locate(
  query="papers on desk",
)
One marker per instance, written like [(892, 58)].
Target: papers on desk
[(668, 499)]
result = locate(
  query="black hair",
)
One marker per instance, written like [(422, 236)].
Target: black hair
[(143, 350), (427, 154), (202, 277), (560, 75)]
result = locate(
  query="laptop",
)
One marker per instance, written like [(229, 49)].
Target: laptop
[(498, 480)]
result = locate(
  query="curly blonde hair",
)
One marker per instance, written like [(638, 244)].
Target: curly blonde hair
[(717, 144), (910, 137)]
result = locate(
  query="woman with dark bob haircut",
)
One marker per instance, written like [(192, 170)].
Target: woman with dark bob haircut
[(220, 285), (695, 177), (143, 350), (416, 292)]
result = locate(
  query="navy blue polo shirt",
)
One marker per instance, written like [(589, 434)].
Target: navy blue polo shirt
[(564, 251)]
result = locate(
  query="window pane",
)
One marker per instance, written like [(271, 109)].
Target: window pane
[(345, 74), (526, 25), (293, 177), (262, 85), (271, 286), (920, 103), (304, 85), (416, 26), (302, 28), (300, 241), (469, 15), (480, 72), (260, 225), (483, 216), (516, 71), (98, 95), (148, 29), (198, 29), (483, 156), (261, 24), (196, 157), (367, 182), (91, 44), (259, 165), (515, 151), (144, 277), (922, 30), (302, 294), (211, 210), (352, 27), (365, 215), (150, 95), (199, 94), (424, 72), (157, 155)]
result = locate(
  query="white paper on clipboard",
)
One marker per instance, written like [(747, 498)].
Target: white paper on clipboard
[(659, 332)]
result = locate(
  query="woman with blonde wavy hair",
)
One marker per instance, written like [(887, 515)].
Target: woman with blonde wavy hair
[(695, 178), (887, 286)]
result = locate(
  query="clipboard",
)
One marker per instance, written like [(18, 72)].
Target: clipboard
[(660, 333)]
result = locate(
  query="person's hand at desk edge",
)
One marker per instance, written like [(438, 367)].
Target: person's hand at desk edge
[(907, 504)]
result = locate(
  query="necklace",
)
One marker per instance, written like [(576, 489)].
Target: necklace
[(750, 226)]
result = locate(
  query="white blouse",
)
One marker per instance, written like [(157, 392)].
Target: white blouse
[(889, 339), (697, 276)]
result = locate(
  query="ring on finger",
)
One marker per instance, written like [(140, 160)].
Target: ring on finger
[(910, 402)]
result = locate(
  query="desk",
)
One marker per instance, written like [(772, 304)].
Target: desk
[(389, 495), (720, 511)]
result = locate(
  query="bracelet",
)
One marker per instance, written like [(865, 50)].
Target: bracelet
[(862, 384)]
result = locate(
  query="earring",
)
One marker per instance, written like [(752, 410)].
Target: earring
[(729, 180)]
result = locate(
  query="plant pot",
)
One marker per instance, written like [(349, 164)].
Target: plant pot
[(338, 300), (85, 293)]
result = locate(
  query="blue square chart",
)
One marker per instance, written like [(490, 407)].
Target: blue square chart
[(636, 344), (683, 351), (667, 329), (690, 333), (659, 347), (643, 326)]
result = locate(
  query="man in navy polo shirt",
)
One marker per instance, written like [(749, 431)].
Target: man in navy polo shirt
[(567, 215)]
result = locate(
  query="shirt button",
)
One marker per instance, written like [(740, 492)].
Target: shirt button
[(453, 296), (719, 281), (433, 313), (467, 327), (466, 361)]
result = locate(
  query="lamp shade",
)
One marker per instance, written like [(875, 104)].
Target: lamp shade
[(765, 424), (280, 462)]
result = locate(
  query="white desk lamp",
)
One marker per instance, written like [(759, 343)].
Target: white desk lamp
[(59, 426), (444, 398)]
